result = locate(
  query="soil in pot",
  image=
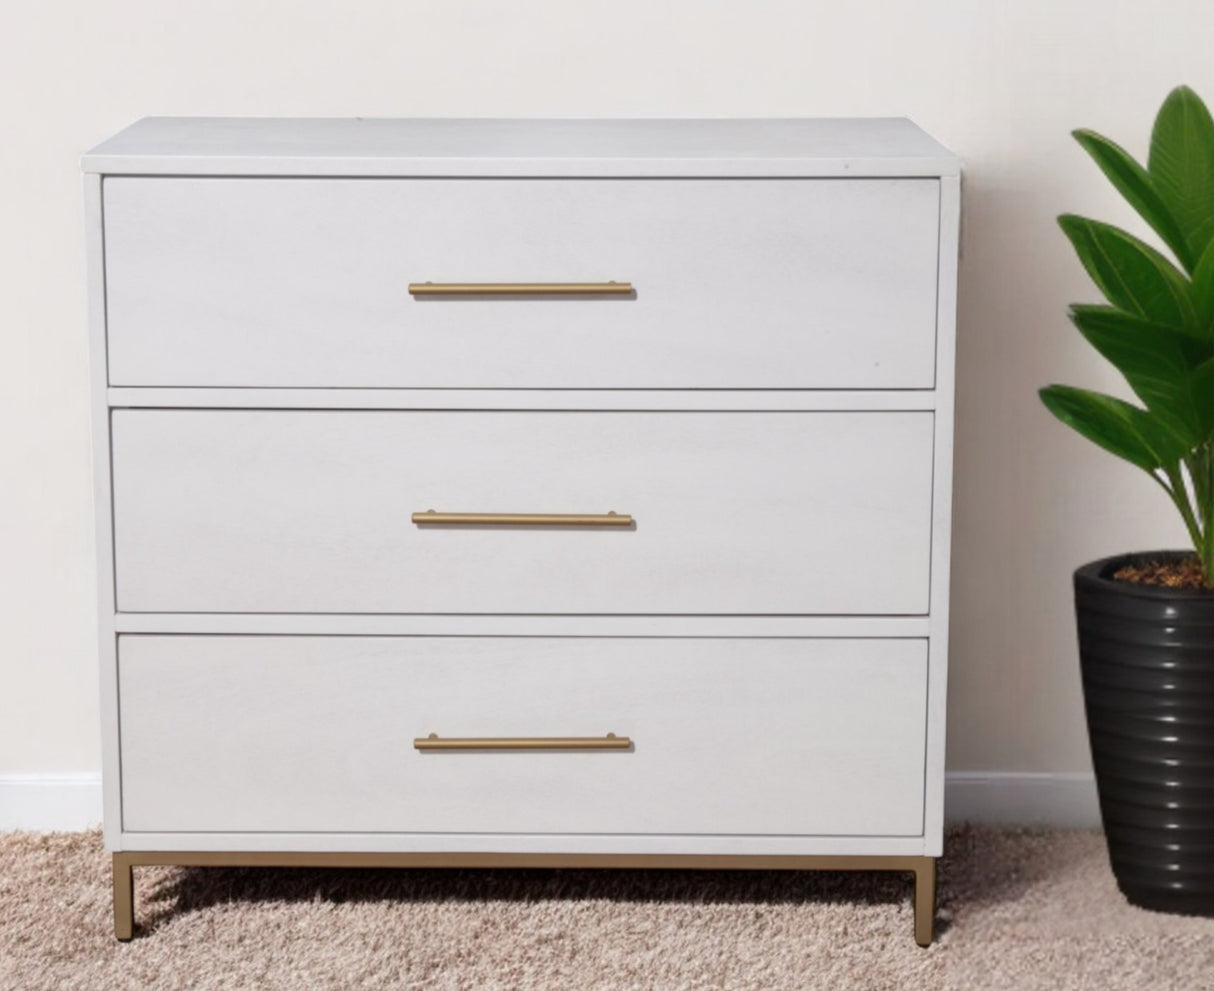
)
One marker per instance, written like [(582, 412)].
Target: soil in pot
[(1166, 572)]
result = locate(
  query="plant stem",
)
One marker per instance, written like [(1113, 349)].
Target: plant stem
[(1196, 464), (1200, 465), (1179, 495), (1206, 509)]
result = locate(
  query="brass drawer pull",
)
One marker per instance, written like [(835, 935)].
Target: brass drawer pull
[(608, 742), (430, 517), (520, 288)]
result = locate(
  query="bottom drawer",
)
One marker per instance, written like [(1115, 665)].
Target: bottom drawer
[(738, 736)]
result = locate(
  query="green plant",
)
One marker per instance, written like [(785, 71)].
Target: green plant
[(1158, 326)]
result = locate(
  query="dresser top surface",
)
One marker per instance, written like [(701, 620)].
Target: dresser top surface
[(815, 147)]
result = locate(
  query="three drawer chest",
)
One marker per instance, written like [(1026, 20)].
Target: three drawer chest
[(523, 493)]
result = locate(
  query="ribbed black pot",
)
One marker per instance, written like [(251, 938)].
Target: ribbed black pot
[(1147, 658)]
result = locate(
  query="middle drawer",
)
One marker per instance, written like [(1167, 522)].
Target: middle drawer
[(311, 511)]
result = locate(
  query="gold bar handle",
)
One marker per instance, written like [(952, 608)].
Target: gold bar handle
[(430, 518), (520, 288), (608, 742)]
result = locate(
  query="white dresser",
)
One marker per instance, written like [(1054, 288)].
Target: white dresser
[(503, 492)]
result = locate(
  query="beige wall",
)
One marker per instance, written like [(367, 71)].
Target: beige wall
[(999, 82)]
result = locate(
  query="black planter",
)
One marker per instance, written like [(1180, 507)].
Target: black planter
[(1147, 658)]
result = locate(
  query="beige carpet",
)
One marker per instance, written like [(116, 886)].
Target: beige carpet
[(1019, 910)]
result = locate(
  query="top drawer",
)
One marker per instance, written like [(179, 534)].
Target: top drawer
[(739, 283)]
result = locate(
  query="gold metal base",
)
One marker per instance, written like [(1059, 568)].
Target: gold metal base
[(924, 869)]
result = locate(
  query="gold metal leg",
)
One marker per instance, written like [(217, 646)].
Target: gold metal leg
[(925, 900), (923, 868), (124, 897)]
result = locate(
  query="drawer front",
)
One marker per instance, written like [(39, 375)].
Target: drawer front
[(743, 736), (311, 511), (770, 283)]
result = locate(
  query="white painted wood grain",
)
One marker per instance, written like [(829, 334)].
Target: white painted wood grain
[(103, 535), (520, 147), (942, 511), (676, 400), (309, 511), (626, 843), (845, 285), (327, 624), (739, 284), (785, 737)]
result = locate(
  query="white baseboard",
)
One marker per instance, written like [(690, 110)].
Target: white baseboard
[(1063, 801), (62, 802), (50, 802)]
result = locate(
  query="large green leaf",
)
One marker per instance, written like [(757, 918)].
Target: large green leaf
[(1154, 362), (1203, 291), (1132, 275), (1118, 427), (1181, 165), (1193, 350), (1203, 393), (1135, 184)]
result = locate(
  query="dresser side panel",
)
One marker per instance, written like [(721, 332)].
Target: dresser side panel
[(942, 511), (94, 225)]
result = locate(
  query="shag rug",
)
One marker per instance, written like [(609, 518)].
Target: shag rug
[(1019, 911)]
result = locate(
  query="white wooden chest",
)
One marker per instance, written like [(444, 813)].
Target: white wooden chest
[(523, 492)]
